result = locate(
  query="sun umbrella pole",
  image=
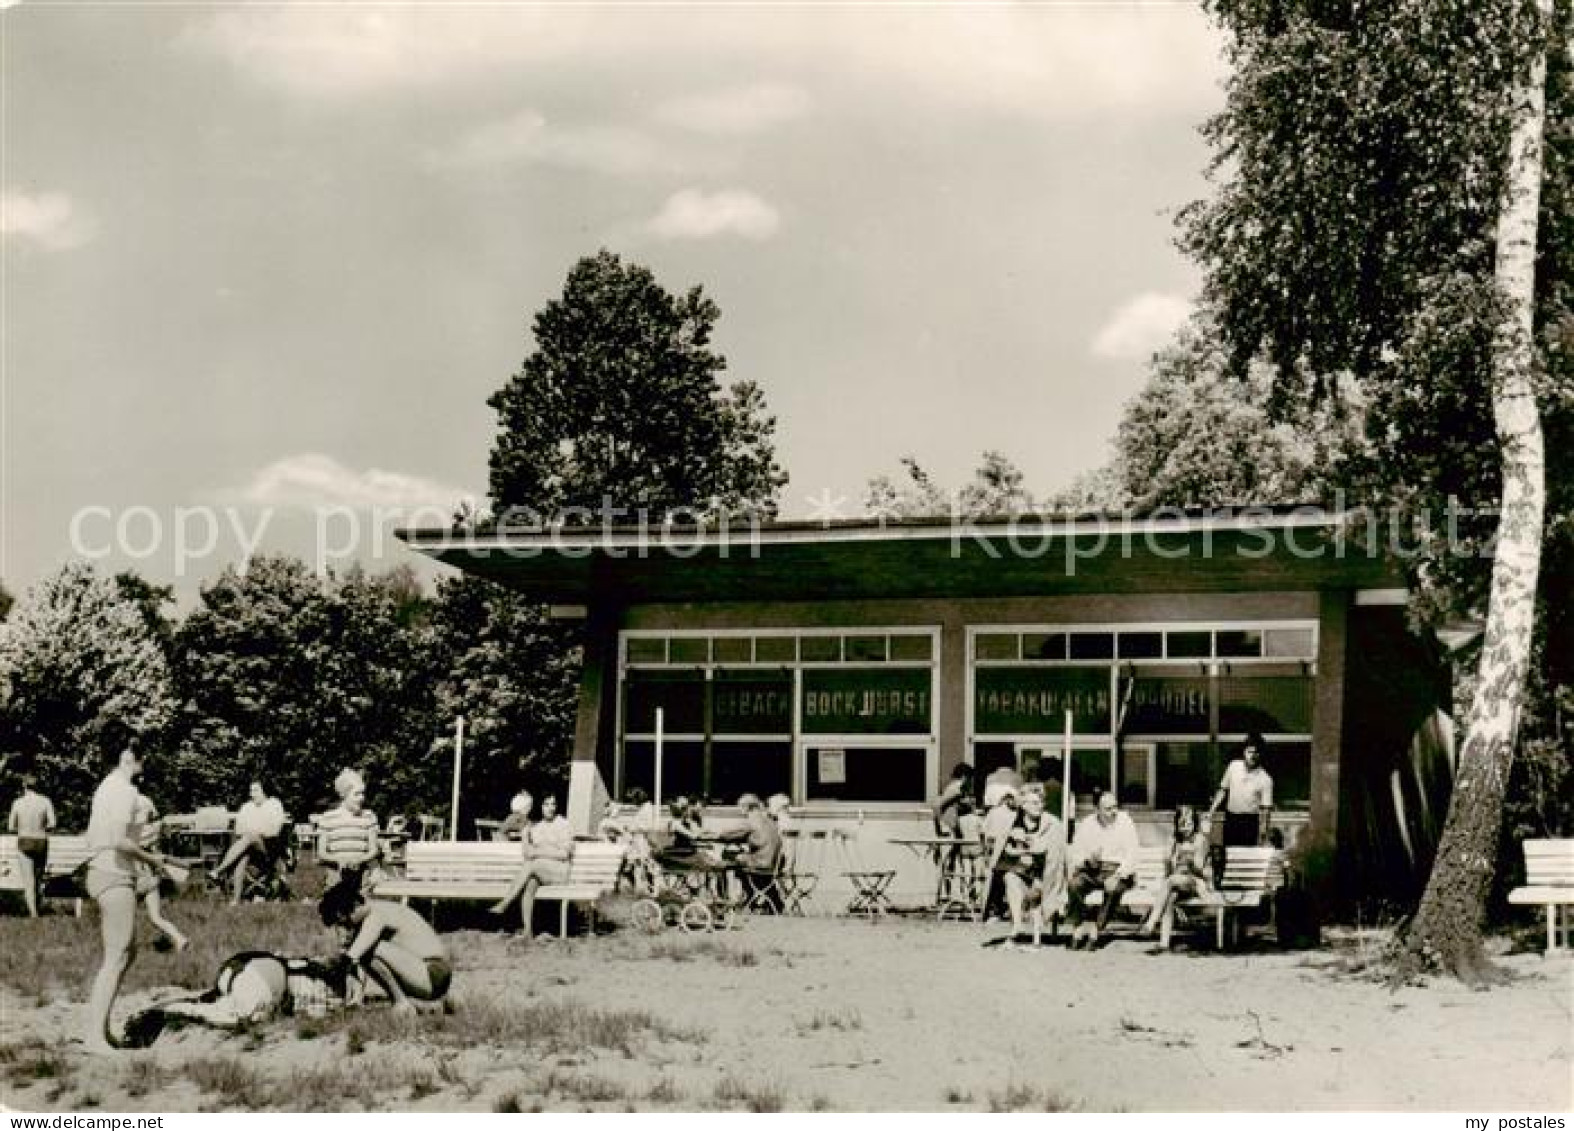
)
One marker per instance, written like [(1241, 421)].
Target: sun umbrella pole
[(459, 759), (1065, 777), (660, 719)]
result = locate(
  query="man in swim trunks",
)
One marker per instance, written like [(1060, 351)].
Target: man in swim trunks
[(395, 946), (32, 818)]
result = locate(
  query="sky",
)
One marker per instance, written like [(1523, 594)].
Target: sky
[(264, 264)]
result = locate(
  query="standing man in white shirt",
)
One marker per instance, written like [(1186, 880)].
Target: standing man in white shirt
[(112, 829), (1246, 792), (1104, 859), (32, 819)]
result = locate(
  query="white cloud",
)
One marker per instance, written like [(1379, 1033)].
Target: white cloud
[(735, 110), (690, 214), (310, 479), (1047, 60), (1141, 326), (343, 50), (528, 136), (48, 219)]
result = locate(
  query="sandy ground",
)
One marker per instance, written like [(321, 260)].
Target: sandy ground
[(909, 1015)]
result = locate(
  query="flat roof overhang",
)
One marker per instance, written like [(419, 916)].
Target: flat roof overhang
[(1248, 550)]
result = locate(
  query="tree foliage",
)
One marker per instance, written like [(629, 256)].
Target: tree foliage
[(81, 670), (1375, 165), (514, 677), (290, 677), (1360, 162), (1196, 435), (620, 399), (996, 489)]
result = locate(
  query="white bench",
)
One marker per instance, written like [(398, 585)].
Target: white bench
[(1251, 877), (66, 855), (484, 870), (1549, 882)]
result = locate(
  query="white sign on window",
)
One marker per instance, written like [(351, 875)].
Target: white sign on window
[(833, 767)]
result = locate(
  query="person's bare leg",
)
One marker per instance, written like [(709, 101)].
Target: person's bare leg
[(514, 891), (24, 864), (117, 910), (239, 846), (527, 903), (1166, 897), (155, 907), (401, 975), (1014, 894), (1167, 924)]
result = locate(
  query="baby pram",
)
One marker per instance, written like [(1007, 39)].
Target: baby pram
[(692, 890)]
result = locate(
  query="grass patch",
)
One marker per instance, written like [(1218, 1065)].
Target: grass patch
[(32, 1062), (585, 1088), (733, 1094), (832, 1020), (230, 1081), (50, 958), (664, 1091), (143, 1076), (693, 948), (544, 1027), (1018, 1096)]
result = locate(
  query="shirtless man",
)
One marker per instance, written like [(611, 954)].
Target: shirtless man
[(395, 946), (32, 819)]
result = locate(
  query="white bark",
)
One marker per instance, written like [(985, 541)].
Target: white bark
[(1448, 923)]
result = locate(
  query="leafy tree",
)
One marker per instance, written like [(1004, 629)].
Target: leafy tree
[(995, 490), (618, 404), (620, 400), (80, 671), (291, 677), (1198, 436), (6, 601), (514, 677), (1380, 213)]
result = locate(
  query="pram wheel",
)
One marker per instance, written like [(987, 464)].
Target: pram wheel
[(695, 917), (646, 915)]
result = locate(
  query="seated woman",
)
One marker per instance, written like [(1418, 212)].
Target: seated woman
[(347, 836), (259, 830), (1031, 862), (545, 849), (395, 946), (1186, 872)]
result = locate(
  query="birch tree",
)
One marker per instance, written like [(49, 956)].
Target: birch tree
[(1380, 215)]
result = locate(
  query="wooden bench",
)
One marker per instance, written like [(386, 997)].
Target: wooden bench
[(1549, 882), (66, 855), (484, 870), (1251, 876)]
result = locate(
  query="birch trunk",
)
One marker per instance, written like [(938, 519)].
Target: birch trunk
[(1446, 931)]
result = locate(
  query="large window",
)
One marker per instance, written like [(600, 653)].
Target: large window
[(834, 716), (1174, 700)]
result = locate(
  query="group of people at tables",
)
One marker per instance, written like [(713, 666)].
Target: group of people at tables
[(1011, 844), (384, 944), (751, 851)]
